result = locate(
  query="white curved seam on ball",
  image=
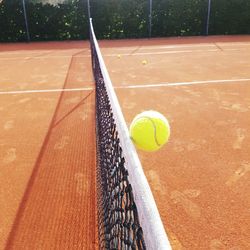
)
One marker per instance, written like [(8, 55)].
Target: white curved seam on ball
[(158, 144), (155, 137)]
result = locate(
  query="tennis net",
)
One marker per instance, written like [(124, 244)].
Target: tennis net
[(127, 214)]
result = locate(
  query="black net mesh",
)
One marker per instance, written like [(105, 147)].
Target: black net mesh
[(118, 221)]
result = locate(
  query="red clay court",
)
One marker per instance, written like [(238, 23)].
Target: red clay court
[(48, 147)]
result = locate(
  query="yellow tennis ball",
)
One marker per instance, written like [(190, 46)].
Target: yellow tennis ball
[(149, 130), (144, 62), (119, 56)]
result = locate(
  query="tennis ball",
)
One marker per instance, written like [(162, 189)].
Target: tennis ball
[(144, 62), (149, 130), (119, 56)]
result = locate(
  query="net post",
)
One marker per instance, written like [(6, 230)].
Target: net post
[(26, 20), (88, 6), (208, 16), (150, 19)]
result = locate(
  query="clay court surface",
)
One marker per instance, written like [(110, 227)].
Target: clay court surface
[(200, 179)]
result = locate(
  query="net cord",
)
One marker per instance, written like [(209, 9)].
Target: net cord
[(153, 229)]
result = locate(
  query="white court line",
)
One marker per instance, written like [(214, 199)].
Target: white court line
[(181, 83), (154, 47), (41, 57), (124, 54), (127, 87), (24, 52), (111, 55), (233, 44), (174, 52), (202, 45), (43, 91), (161, 53)]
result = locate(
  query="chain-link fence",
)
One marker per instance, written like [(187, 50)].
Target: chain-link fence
[(24, 20)]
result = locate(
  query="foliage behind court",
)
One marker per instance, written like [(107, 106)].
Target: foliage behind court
[(121, 18)]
